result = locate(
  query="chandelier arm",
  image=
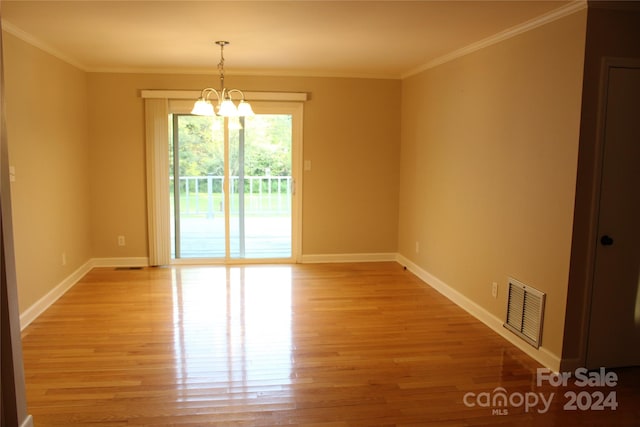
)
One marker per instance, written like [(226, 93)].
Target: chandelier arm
[(230, 91), (206, 93)]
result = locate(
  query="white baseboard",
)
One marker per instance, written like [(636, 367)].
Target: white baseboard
[(28, 422), (121, 262), (336, 258), (542, 355), (31, 313)]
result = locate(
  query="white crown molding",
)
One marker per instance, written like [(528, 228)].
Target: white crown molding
[(570, 8), (35, 42), (554, 15)]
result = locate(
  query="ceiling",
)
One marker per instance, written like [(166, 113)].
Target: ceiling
[(386, 39)]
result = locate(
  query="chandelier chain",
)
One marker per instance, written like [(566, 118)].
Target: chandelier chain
[(221, 63)]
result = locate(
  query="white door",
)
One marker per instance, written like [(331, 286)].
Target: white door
[(614, 328)]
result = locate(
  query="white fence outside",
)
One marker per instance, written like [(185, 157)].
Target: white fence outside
[(202, 196)]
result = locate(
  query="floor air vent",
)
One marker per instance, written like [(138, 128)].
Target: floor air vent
[(525, 310)]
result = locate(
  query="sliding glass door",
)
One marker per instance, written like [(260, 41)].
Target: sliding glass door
[(261, 187), (196, 175), (232, 186)]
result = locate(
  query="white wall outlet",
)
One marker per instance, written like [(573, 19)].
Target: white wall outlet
[(64, 258), (417, 247), (121, 241), (494, 289)]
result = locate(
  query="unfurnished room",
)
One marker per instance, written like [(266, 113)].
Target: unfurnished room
[(320, 213)]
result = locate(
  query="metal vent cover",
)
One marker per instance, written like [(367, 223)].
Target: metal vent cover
[(525, 310)]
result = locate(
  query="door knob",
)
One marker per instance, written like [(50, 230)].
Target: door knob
[(606, 240)]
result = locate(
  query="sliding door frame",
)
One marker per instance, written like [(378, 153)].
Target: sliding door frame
[(180, 102)]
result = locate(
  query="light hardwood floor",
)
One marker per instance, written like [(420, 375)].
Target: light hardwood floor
[(309, 345)]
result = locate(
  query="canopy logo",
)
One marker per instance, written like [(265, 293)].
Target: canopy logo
[(500, 401)]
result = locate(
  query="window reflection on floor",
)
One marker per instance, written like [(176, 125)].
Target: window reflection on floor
[(232, 325)]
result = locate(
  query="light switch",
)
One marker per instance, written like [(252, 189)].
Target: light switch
[(12, 173), (307, 165)]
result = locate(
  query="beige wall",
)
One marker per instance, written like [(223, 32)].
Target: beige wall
[(351, 135), (46, 102), (488, 168), (81, 172)]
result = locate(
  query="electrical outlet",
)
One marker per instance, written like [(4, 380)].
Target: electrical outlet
[(494, 290), (417, 247), (121, 241), (64, 258)]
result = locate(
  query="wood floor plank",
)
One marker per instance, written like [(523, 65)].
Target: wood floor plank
[(330, 345)]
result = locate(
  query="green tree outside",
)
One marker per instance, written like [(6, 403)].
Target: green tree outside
[(267, 146)]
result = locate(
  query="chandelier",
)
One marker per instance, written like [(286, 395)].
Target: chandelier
[(225, 106)]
